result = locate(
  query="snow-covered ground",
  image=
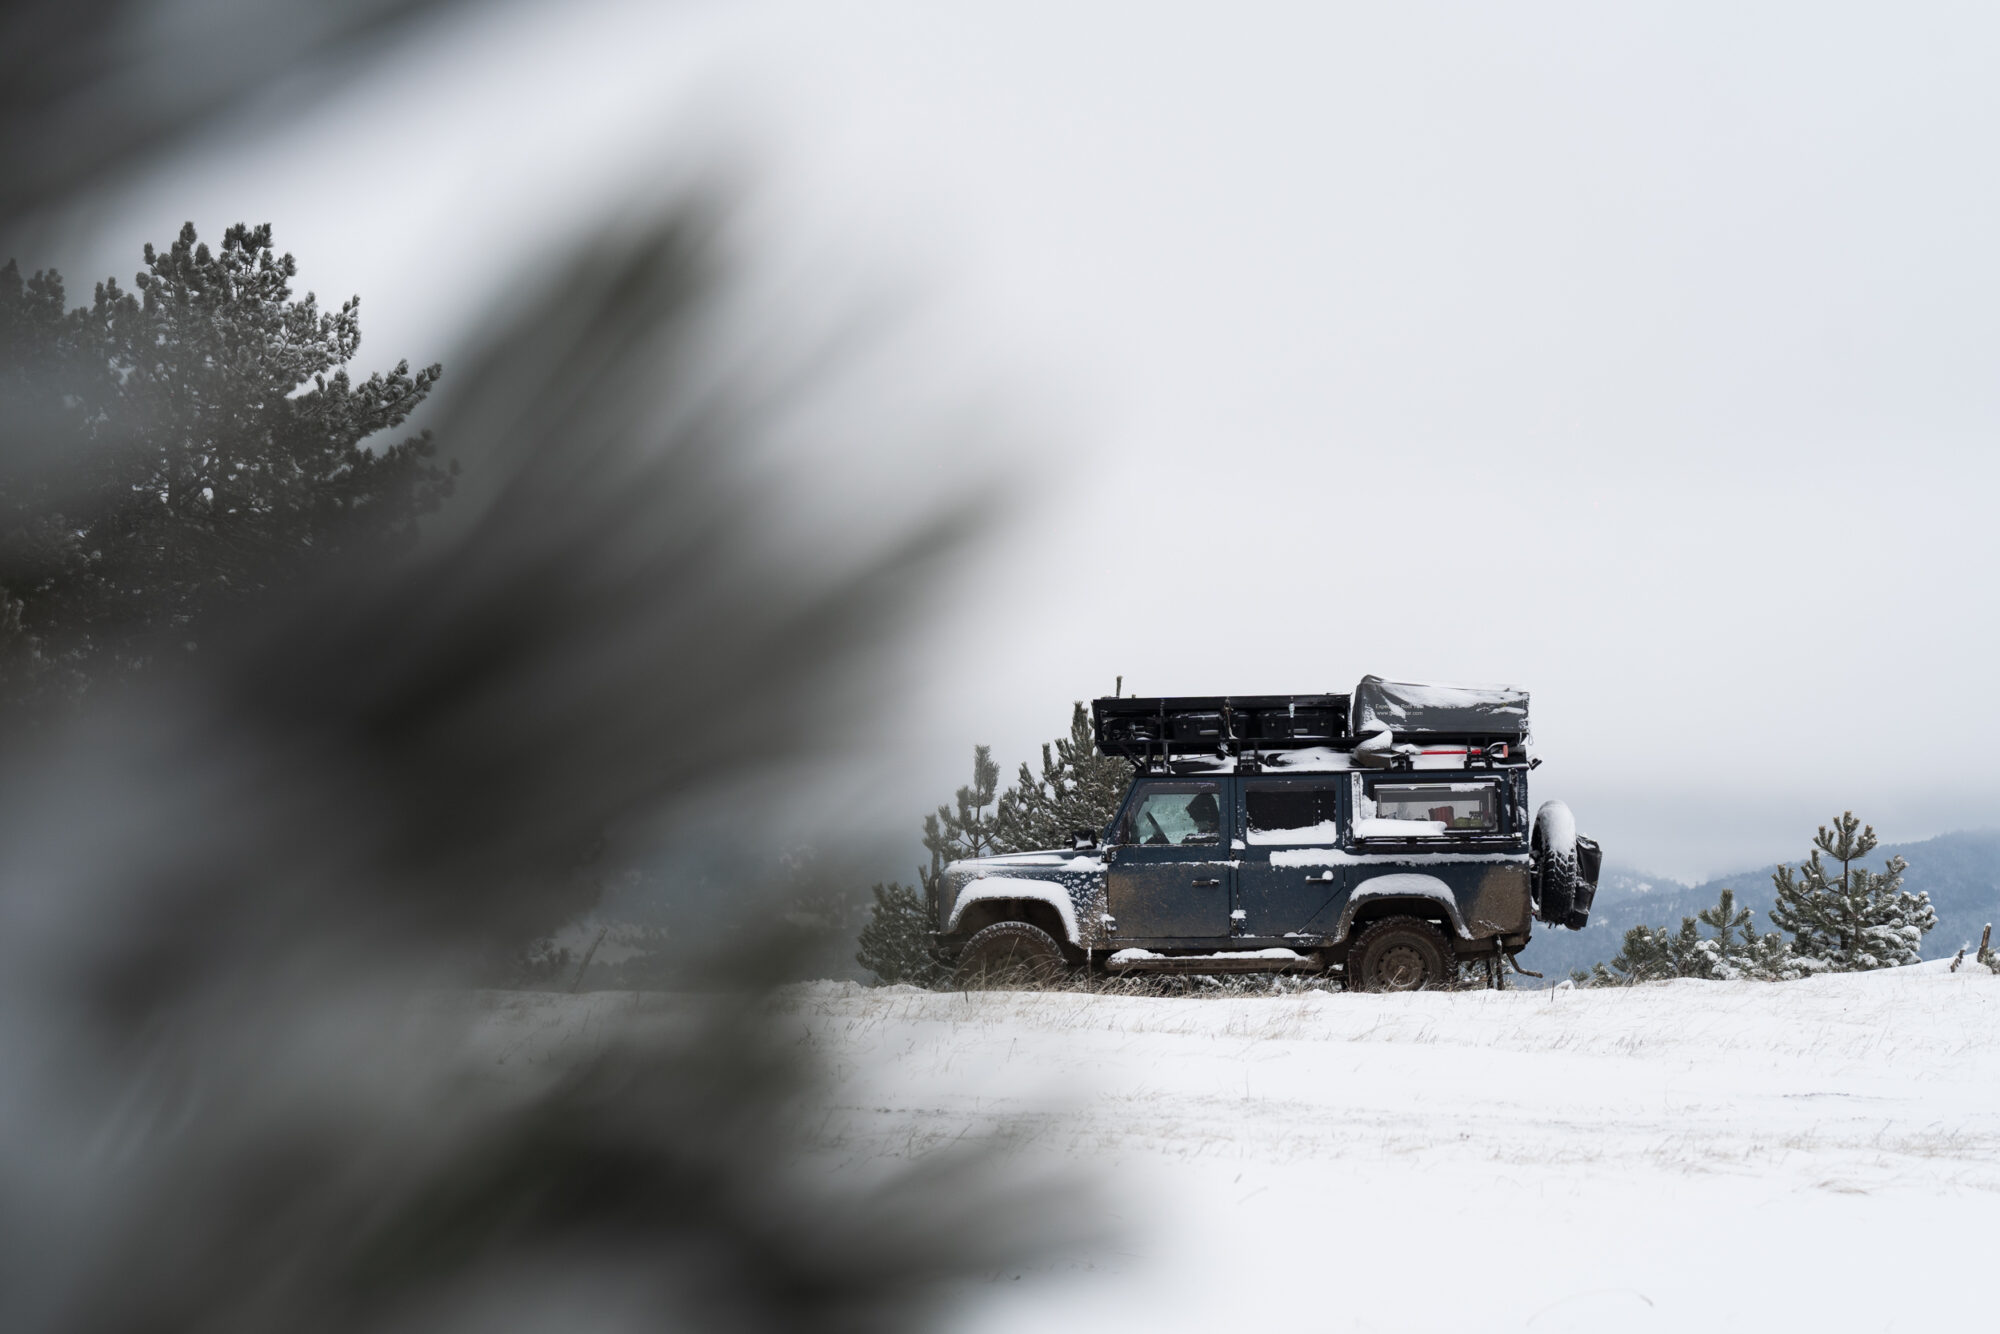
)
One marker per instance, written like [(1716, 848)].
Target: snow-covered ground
[(1819, 1155)]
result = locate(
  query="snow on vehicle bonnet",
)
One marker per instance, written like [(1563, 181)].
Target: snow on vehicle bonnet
[(1411, 708)]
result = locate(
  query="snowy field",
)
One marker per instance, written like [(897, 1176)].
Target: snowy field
[(1819, 1155)]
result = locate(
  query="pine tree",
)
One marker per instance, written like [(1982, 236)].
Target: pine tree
[(1858, 920), (970, 830), (1731, 925), (1653, 953), (896, 943), (183, 449), (1077, 789), (1734, 953)]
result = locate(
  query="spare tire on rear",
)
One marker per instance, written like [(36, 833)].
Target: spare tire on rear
[(1555, 868)]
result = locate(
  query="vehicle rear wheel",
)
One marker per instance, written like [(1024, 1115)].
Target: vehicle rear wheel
[(1400, 954), (1009, 956)]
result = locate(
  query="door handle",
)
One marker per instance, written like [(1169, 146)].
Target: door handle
[(1206, 884)]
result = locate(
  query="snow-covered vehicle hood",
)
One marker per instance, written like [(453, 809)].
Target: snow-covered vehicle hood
[(1072, 870), (1070, 882), (1017, 863)]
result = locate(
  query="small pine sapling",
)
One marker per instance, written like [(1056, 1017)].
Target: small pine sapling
[(1653, 953), (1855, 921), (1736, 952)]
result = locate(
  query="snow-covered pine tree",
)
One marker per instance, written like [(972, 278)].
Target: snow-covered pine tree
[(1731, 925), (1736, 952), (1653, 953), (1855, 921), (1078, 789)]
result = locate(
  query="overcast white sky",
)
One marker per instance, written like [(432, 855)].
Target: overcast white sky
[(1643, 355)]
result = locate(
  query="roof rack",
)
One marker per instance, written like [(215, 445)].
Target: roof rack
[(1483, 724), (1162, 728)]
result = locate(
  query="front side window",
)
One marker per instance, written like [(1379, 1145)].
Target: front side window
[(1291, 813), (1427, 810), (1177, 815)]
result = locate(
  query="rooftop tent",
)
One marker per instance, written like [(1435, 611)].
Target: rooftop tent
[(1411, 709)]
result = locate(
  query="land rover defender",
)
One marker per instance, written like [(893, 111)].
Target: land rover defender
[(1384, 836)]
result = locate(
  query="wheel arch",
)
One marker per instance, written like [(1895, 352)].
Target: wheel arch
[(1401, 894), (993, 899)]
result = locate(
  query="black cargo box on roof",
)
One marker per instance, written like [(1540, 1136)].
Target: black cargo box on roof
[(1417, 711)]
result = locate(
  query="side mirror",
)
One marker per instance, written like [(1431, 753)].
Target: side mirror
[(1080, 839)]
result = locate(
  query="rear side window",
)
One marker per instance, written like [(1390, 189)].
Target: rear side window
[(1291, 813), (1428, 810)]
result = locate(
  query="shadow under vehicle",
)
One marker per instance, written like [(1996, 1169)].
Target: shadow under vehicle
[(1385, 836)]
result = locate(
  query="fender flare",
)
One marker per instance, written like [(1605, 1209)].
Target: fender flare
[(1401, 885), (990, 887)]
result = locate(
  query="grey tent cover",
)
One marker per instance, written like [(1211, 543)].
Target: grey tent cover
[(1411, 709)]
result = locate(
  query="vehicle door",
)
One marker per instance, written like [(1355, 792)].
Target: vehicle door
[(1167, 873), (1291, 869)]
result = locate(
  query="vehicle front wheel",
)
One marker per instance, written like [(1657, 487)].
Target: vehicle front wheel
[(1009, 956), (1400, 954)]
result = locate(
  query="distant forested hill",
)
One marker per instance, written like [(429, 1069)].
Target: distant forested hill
[(1961, 873)]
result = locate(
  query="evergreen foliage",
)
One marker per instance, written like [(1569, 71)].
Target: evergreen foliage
[(1077, 789), (1858, 920), (1736, 952), (968, 828), (896, 940), (182, 448), (1653, 952), (1733, 953)]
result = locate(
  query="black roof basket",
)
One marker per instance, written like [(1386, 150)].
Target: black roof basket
[(1160, 729), (1176, 731)]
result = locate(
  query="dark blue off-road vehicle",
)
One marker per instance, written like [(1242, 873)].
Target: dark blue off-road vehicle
[(1386, 836)]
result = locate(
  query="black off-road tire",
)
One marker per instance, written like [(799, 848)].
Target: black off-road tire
[(1010, 956), (1401, 954), (1556, 878)]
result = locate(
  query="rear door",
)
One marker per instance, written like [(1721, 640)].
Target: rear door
[(1292, 869), (1168, 875)]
